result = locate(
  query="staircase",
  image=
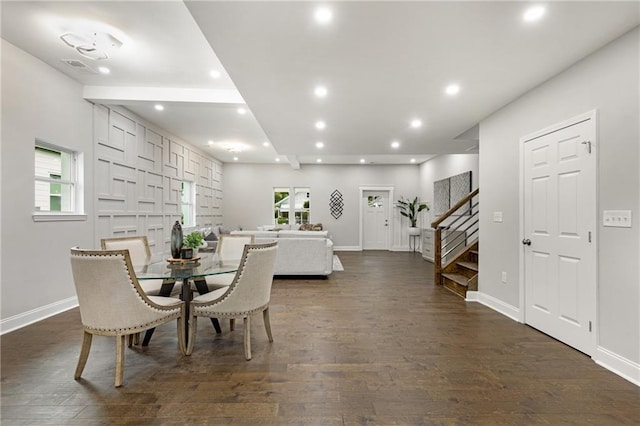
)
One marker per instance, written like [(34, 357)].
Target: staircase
[(461, 275), (456, 246)]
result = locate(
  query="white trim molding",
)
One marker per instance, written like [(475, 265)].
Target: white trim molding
[(497, 305), (58, 217), (26, 318), (617, 364), (347, 248)]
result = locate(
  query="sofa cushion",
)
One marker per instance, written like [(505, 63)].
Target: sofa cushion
[(257, 234), (303, 234)]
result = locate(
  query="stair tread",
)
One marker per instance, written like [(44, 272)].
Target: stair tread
[(469, 265), (458, 278)]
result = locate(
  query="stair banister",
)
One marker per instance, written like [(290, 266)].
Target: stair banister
[(436, 225)]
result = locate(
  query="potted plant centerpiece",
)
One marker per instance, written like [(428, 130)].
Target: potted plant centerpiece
[(410, 210), (191, 243)]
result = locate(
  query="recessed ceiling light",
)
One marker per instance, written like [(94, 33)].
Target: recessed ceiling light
[(452, 89), (362, 160), (266, 144), (104, 70), (395, 144), (320, 125), (277, 159), (415, 123), (159, 107), (242, 111), (210, 143), (320, 91), (319, 160), (235, 158), (413, 160), (323, 15), (319, 145), (533, 13), (215, 74)]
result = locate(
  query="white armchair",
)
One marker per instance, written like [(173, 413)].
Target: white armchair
[(112, 303)]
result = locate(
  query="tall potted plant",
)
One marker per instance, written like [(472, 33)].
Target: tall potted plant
[(410, 210)]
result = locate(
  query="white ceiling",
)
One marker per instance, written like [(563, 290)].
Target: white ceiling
[(384, 63)]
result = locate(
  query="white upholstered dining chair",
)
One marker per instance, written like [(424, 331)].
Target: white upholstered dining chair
[(248, 294), (112, 303), (140, 253), (229, 248)]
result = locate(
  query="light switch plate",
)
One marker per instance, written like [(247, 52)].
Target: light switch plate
[(617, 218), (497, 216)]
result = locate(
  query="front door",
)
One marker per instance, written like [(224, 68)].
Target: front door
[(375, 220), (559, 209)]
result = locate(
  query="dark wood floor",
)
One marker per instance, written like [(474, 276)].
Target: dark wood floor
[(377, 344)]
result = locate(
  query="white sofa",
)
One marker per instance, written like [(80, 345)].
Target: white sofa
[(299, 252)]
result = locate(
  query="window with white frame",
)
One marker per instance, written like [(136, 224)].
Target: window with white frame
[(281, 206), (58, 173), (188, 203), (302, 209)]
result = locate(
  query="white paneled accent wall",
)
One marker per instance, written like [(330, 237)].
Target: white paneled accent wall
[(139, 173)]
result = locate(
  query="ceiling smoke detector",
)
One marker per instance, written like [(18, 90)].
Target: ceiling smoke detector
[(94, 46)]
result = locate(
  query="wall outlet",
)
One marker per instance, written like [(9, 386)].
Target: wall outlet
[(497, 216), (504, 277)]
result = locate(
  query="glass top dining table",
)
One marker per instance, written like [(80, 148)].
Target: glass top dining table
[(206, 264), (201, 266)]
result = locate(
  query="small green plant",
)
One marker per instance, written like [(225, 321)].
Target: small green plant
[(193, 240), (410, 209)]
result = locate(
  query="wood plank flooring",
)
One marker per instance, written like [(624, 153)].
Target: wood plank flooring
[(377, 344)]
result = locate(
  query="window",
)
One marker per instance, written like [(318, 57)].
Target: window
[(302, 208), (58, 183), (188, 204), (281, 205)]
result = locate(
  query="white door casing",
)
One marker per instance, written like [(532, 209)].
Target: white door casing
[(375, 224), (559, 214)]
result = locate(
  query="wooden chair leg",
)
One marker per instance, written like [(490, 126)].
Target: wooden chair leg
[(181, 335), (193, 326), (232, 324), (120, 341), (247, 338), (84, 354), (130, 340), (136, 339), (267, 323)]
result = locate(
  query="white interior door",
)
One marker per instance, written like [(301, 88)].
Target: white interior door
[(375, 220), (559, 208)]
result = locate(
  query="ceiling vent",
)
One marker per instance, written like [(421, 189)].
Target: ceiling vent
[(79, 66)]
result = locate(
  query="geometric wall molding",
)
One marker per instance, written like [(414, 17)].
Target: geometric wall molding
[(139, 174)]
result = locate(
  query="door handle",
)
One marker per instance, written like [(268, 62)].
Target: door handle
[(526, 242)]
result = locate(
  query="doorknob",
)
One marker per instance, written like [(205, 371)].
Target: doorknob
[(526, 242)]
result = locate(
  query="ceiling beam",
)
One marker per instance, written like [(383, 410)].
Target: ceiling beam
[(124, 95)]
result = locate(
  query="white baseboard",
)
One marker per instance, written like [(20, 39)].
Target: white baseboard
[(615, 363), (621, 366), (22, 320), (497, 305), (472, 296), (347, 248)]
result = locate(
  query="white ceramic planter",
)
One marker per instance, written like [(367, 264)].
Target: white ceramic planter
[(414, 230)]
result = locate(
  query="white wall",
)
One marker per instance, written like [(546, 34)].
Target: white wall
[(135, 191), (248, 198), (608, 82), (442, 167), (38, 102)]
